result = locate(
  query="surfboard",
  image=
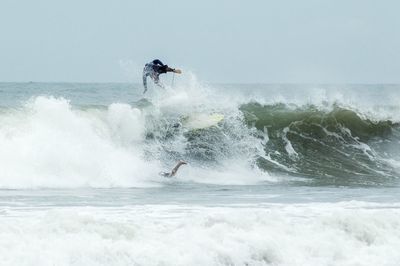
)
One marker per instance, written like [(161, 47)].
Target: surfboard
[(201, 121), (142, 103)]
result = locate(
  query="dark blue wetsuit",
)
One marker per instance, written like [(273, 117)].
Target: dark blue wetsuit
[(154, 69)]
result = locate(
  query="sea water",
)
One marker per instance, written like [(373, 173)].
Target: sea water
[(293, 175)]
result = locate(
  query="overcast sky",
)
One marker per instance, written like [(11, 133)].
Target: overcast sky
[(256, 41)]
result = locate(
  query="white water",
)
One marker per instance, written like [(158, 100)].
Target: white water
[(352, 233), (47, 144), (223, 212)]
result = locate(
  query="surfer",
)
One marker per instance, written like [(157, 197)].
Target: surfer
[(174, 170), (154, 69)]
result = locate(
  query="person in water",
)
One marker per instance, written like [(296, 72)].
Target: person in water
[(174, 170), (154, 69)]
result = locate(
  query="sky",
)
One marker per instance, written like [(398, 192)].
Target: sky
[(220, 41)]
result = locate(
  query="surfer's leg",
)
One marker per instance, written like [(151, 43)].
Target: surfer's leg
[(156, 79), (175, 170), (145, 74)]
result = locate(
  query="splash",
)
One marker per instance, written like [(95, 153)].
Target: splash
[(277, 136), (48, 144)]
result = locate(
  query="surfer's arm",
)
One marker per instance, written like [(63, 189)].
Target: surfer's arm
[(168, 69), (175, 70)]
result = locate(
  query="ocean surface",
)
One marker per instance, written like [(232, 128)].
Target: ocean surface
[(293, 174)]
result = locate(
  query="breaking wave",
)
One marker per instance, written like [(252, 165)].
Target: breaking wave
[(48, 142), (325, 144)]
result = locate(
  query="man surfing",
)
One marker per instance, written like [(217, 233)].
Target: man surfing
[(154, 69)]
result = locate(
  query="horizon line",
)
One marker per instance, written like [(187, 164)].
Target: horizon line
[(217, 83)]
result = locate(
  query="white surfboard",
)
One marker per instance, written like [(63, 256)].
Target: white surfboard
[(200, 121)]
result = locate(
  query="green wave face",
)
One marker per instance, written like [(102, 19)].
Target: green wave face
[(334, 146), (337, 147)]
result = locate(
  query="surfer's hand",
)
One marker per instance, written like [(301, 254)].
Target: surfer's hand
[(177, 71)]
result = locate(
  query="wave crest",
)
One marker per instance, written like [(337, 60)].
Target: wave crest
[(309, 141)]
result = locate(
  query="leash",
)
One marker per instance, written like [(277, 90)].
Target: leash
[(173, 79)]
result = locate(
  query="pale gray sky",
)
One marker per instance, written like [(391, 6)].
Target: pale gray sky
[(257, 41)]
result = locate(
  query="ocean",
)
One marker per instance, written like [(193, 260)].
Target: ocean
[(295, 174)]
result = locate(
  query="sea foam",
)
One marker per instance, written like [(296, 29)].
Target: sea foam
[(48, 144), (352, 233)]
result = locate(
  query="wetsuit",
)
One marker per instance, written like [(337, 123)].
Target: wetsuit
[(154, 69)]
